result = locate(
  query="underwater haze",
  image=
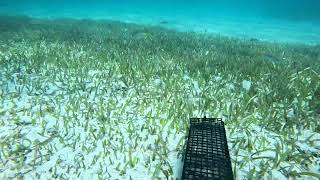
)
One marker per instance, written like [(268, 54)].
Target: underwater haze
[(105, 89), (286, 21)]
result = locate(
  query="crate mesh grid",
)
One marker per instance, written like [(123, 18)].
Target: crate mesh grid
[(207, 154)]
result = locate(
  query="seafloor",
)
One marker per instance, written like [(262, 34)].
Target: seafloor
[(109, 100)]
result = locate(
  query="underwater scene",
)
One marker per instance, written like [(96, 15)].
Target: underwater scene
[(105, 89)]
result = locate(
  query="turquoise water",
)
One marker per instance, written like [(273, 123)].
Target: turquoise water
[(295, 10), (85, 98), (285, 21)]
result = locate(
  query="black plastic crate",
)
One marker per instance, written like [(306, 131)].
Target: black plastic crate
[(207, 155)]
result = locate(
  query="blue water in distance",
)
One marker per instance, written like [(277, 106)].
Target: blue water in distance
[(283, 9), (272, 19)]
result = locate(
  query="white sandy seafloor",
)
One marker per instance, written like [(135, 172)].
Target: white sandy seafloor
[(240, 27), (47, 116), (78, 149), (87, 157)]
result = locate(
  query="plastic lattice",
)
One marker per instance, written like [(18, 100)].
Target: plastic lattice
[(207, 155)]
